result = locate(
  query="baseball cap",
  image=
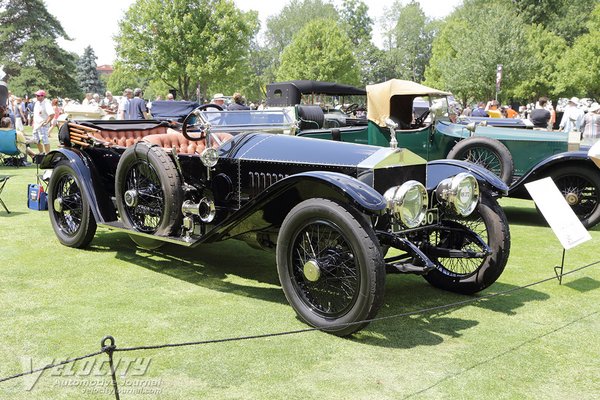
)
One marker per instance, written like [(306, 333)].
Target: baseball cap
[(40, 93)]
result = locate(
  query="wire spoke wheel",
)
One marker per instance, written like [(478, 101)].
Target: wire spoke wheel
[(581, 194), (146, 207), (488, 153), (457, 240), (69, 215), (471, 269), (324, 269), (486, 158), (580, 185), (330, 266)]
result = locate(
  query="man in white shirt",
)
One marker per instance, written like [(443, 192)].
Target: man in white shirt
[(122, 112), (42, 116)]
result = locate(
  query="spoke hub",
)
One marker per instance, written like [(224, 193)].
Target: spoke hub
[(572, 198), (58, 204), (312, 271), (131, 198)]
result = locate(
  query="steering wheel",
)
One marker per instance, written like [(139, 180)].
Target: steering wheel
[(351, 108), (185, 124), (420, 119)]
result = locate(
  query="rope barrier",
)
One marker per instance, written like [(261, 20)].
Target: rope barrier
[(111, 347)]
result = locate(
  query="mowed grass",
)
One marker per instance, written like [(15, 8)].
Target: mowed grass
[(58, 302)]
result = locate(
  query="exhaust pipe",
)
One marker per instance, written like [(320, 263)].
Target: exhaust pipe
[(205, 209)]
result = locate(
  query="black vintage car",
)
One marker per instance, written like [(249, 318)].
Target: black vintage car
[(329, 210)]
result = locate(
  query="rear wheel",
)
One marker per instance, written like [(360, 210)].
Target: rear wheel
[(70, 213), (581, 187), (330, 266), (487, 152), (474, 273), (148, 190)]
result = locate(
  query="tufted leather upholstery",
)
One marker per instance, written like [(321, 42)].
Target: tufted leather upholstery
[(129, 137), (174, 139)]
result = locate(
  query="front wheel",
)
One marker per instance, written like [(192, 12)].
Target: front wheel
[(581, 187), (490, 153), (330, 266), (70, 214), (472, 273)]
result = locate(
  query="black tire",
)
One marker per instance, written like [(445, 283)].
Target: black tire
[(147, 176), (487, 152), (581, 187), (471, 275), (348, 282), (69, 210)]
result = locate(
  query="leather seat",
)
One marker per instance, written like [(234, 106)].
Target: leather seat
[(182, 145), (127, 138)]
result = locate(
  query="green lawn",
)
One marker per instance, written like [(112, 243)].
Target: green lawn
[(58, 302)]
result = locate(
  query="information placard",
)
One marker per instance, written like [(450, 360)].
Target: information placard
[(564, 223)]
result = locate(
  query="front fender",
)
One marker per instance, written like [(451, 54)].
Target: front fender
[(270, 208), (544, 167), (92, 190), (439, 170)]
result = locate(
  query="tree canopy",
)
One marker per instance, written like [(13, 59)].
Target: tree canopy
[(320, 51), (30, 55), (200, 47), (187, 44)]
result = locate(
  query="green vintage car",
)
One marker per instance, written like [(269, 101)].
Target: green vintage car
[(409, 115), (421, 119)]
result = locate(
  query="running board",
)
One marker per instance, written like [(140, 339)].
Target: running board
[(119, 227)]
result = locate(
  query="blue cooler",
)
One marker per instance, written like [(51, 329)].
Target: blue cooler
[(37, 199)]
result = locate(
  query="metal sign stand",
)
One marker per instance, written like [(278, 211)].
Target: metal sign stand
[(560, 268)]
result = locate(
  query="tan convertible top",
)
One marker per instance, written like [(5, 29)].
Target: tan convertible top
[(379, 95)]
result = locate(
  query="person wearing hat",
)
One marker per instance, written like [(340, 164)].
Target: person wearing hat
[(572, 117), (591, 122), (219, 99), (42, 116)]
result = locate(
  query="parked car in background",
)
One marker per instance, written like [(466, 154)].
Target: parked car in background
[(329, 210), (517, 155), (80, 112)]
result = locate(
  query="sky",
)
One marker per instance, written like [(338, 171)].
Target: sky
[(94, 23)]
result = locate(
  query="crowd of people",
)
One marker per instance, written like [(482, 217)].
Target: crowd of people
[(542, 115), (42, 113)]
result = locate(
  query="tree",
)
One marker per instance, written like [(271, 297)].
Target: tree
[(411, 48), (578, 67), (359, 26), (30, 56), (474, 39), (187, 43), (320, 51), (87, 74), (282, 27), (565, 18)]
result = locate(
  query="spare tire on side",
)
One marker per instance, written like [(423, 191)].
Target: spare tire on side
[(487, 152), (148, 190)]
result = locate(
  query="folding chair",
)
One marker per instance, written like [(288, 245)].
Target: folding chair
[(12, 151), (3, 179)]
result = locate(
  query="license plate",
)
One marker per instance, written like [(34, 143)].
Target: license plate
[(432, 217)]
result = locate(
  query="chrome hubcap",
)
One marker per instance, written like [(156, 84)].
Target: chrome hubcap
[(311, 270), (572, 199), (131, 198), (58, 202)]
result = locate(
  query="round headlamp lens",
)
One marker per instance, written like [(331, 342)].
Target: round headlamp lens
[(460, 192), (408, 203)]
